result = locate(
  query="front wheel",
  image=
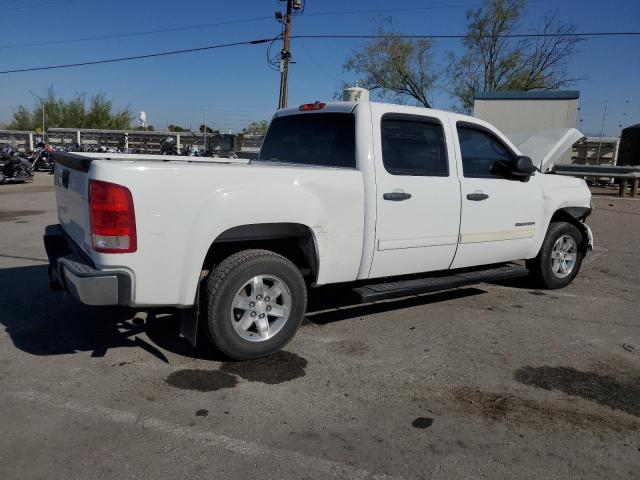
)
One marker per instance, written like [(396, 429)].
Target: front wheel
[(560, 256), (256, 300)]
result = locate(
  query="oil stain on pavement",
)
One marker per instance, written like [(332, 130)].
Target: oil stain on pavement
[(422, 422), (278, 368), (603, 389), (537, 414), (201, 380)]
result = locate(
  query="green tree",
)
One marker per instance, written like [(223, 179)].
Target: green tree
[(76, 112), (177, 128), (396, 66), (202, 127), (256, 128), (492, 61), (21, 119)]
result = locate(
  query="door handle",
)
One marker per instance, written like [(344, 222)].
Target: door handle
[(477, 196), (396, 196)]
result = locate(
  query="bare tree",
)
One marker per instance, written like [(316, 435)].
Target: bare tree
[(495, 60), (395, 65), (545, 59)]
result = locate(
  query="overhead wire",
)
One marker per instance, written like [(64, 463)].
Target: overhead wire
[(138, 57), (36, 5), (230, 22), (458, 36), (135, 34), (273, 39)]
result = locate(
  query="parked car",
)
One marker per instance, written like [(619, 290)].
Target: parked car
[(341, 192)]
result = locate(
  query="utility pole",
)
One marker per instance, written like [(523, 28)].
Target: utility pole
[(43, 121), (604, 119), (204, 127), (285, 53)]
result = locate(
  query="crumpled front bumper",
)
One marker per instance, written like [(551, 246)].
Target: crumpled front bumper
[(589, 235), (71, 270)]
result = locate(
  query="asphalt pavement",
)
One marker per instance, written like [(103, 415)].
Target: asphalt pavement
[(493, 381)]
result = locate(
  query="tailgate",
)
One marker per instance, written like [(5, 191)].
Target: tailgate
[(71, 180)]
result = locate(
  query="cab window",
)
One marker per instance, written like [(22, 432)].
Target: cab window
[(319, 139), (413, 145), (479, 150)]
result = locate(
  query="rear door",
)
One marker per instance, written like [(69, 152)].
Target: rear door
[(500, 217), (418, 191)]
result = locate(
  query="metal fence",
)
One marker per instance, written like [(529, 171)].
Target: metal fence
[(142, 141)]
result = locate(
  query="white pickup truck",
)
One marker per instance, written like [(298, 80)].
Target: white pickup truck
[(390, 200)]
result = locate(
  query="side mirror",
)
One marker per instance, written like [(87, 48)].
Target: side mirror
[(523, 166), (520, 168)]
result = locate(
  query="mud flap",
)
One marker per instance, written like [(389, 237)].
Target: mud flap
[(189, 320)]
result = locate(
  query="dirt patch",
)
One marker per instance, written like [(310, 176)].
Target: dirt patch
[(539, 414), (278, 368), (606, 390), (9, 216), (201, 380)]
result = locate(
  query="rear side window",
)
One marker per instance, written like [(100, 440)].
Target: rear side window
[(479, 150), (413, 146), (323, 139)]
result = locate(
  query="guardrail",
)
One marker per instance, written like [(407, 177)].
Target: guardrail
[(625, 175)]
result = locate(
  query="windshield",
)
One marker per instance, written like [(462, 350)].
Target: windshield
[(323, 139)]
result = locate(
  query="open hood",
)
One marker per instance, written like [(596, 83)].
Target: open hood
[(545, 147)]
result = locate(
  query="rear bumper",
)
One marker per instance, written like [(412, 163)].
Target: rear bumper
[(71, 270)]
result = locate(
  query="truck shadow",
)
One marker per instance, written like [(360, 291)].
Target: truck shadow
[(40, 322), (43, 323)]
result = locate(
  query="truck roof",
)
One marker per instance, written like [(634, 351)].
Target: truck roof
[(347, 107)]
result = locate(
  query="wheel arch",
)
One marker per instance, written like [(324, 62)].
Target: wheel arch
[(575, 216), (294, 241)]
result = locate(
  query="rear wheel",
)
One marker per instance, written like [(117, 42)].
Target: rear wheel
[(560, 256), (256, 300)]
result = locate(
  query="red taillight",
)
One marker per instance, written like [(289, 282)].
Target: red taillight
[(305, 107), (113, 220)]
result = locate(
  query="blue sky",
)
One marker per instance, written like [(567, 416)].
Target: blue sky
[(236, 83)]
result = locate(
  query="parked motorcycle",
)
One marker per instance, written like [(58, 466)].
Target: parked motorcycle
[(14, 167), (168, 146)]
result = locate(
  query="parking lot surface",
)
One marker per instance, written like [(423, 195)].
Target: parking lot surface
[(495, 381)]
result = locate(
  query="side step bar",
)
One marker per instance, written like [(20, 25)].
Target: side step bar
[(384, 291)]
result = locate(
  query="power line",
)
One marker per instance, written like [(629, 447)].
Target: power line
[(458, 36), (135, 34), (36, 5), (230, 22), (319, 37), (138, 57), (205, 25), (394, 10)]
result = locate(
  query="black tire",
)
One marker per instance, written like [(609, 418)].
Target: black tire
[(540, 268), (224, 283)]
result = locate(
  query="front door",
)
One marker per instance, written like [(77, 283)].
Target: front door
[(418, 193), (500, 217)]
